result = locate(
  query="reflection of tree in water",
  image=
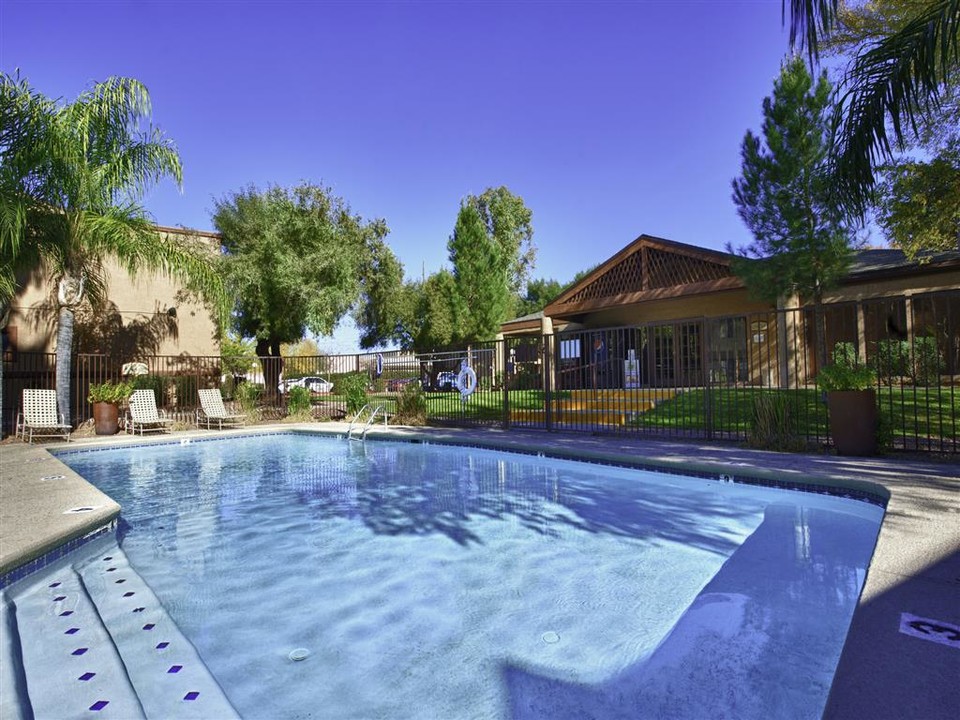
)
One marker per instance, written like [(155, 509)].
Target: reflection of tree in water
[(422, 490)]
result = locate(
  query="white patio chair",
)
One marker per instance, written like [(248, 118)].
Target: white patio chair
[(39, 417), (142, 414), (213, 412)]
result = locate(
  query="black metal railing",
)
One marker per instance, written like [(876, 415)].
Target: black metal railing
[(690, 378)]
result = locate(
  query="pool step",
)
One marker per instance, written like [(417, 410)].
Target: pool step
[(596, 407), (63, 653), (95, 641)]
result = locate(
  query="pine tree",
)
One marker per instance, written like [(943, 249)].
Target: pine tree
[(785, 196)]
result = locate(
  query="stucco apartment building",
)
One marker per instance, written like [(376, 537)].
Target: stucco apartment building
[(143, 315)]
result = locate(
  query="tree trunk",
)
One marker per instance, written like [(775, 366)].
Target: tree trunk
[(820, 326), (269, 353), (64, 361), (4, 317)]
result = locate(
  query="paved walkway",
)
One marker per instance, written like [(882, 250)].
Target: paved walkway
[(888, 669)]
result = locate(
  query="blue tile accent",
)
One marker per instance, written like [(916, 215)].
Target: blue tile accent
[(99, 705), (8, 578), (129, 594), (121, 581), (53, 585), (149, 626), (108, 558), (174, 669), (58, 598), (110, 569), (71, 631), (139, 609), (87, 676), (192, 695), (79, 651), (163, 646), (65, 613)]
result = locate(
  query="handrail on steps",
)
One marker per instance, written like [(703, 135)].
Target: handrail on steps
[(373, 416)]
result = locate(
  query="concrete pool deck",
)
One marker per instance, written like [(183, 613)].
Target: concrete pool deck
[(887, 669)]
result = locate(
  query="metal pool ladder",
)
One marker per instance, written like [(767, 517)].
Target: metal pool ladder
[(378, 410)]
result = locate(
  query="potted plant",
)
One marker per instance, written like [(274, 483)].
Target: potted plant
[(106, 398), (851, 401)]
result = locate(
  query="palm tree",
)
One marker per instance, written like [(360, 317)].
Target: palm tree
[(82, 183), (888, 88)]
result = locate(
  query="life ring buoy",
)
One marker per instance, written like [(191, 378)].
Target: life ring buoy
[(466, 381)]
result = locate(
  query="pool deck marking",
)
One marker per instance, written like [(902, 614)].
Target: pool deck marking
[(882, 672), (936, 631)]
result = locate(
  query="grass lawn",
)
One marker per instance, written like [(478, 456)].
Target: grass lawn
[(927, 412), (907, 411)]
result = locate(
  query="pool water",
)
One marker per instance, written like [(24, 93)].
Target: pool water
[(430, 581)]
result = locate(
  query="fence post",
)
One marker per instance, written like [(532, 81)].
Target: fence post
[(546, 348), (705, 374), (504, 360)]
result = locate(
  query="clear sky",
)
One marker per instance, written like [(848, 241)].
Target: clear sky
[(610, 119)]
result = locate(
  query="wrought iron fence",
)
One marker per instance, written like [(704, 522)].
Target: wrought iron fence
[(691, 378)]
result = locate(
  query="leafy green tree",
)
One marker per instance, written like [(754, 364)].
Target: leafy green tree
[(71, 190), (509, 225), (295, 260), (428, 313), (802, 241), (895, 81), (919, 206), (237, 356), (538, 295), (480, 277), (378, 313)]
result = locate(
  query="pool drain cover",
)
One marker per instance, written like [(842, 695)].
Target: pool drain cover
[(550, 637), (299, 654)]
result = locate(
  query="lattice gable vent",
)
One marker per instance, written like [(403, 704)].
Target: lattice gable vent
[(667, 269), (624, 277), (664, 269)]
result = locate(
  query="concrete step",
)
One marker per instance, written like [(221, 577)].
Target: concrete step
[(575, 417), (95, 640), (596, 407)]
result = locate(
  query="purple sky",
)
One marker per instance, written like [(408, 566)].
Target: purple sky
[(609, 119)]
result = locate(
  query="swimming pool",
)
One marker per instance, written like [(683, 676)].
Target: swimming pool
[(435, 581)]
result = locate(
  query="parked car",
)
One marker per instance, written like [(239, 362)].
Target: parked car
[(398, 384), (314, 384), (446, 381)]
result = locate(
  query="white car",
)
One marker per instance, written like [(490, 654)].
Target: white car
[(314, 384)]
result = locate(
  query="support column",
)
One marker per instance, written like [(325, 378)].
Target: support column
[(861, 333)]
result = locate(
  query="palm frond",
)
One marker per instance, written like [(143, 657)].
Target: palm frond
[(892, 86), (810, 22)]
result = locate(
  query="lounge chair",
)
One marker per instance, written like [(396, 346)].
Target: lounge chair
[(142, 414), (213, 412), (39, 416)]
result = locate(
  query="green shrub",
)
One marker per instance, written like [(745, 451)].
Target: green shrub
[(186, 390), (248, 395), (927, 361), (353, 388), (151, 382), (846, 372), (298, 402), (109, 392), (893, 360), (771, 424), (411, 406), (227, 387)]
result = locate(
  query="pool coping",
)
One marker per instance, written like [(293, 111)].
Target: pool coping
[(883, 671)]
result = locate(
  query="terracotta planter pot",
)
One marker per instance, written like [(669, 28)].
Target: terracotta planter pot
[(853, 421), (106, 416)]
